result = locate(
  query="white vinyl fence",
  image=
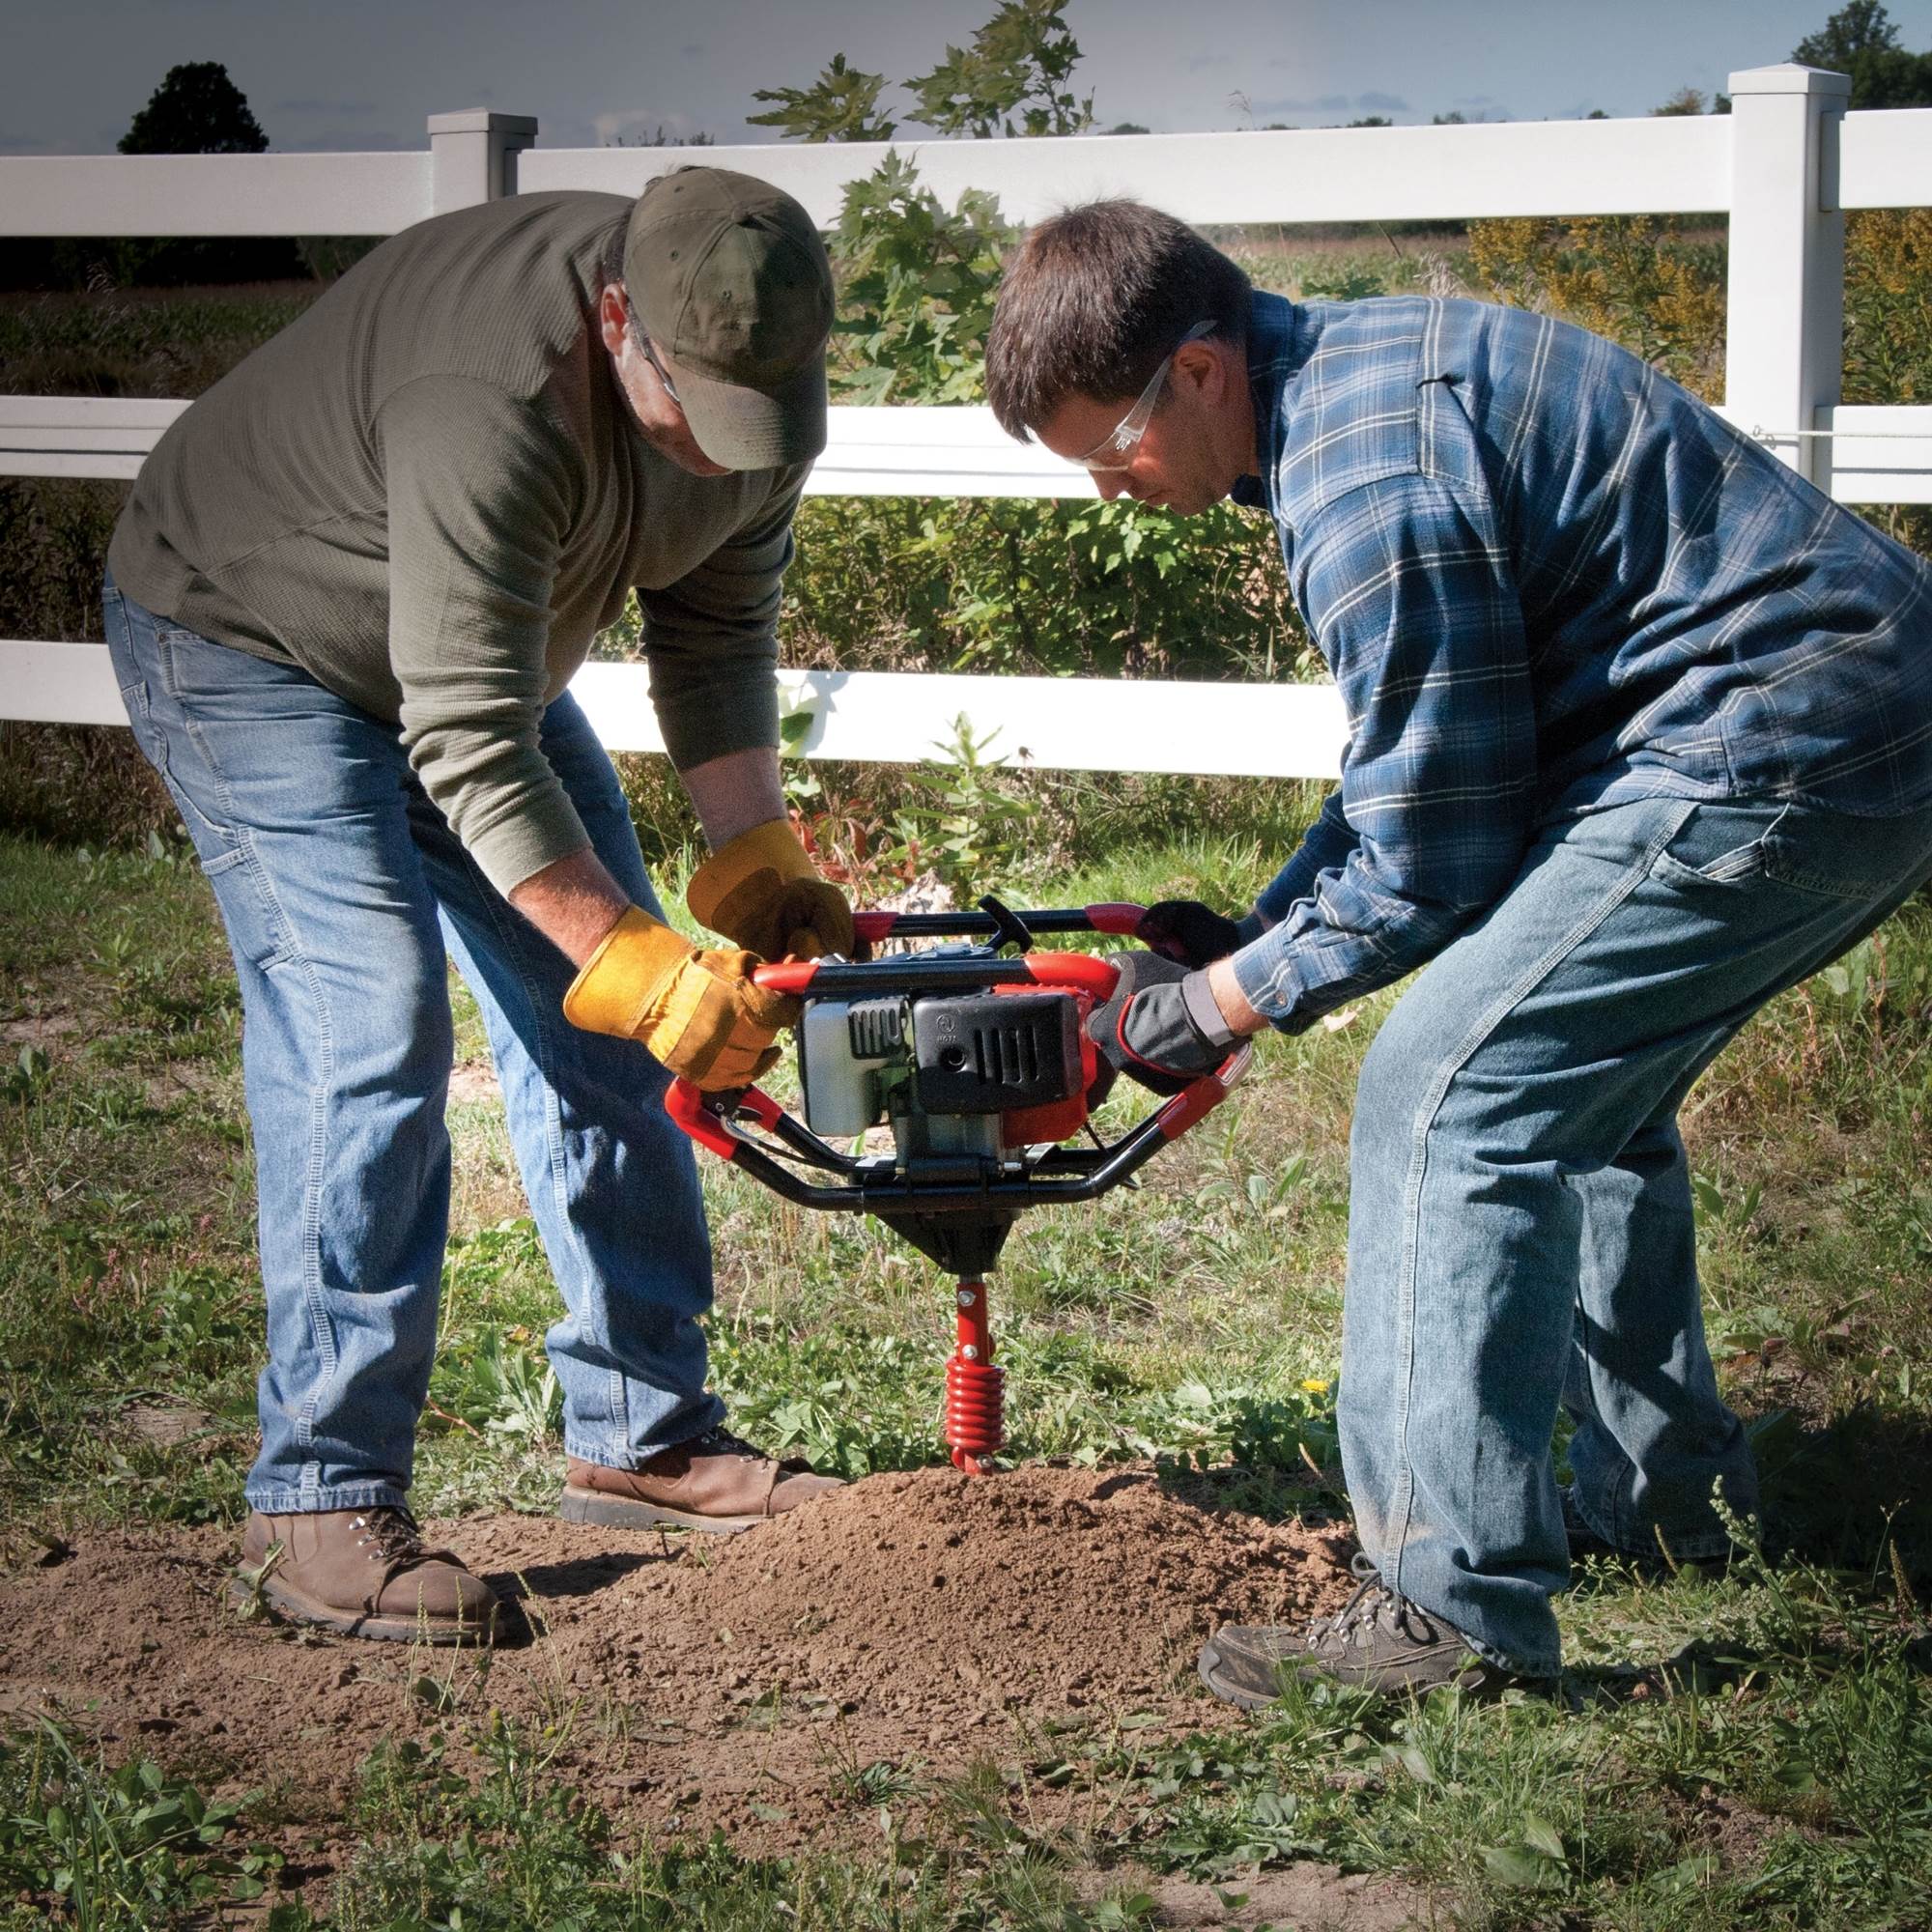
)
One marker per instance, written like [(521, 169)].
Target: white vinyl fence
[(1785, 164)]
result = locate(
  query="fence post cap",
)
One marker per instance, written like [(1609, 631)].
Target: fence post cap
[(482, 121), (1789, 77)]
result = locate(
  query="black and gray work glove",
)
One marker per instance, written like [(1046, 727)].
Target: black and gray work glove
[(1186, 930), (1162, 1026)]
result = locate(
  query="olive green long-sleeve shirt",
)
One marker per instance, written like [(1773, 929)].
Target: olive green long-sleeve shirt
[(429, 493)]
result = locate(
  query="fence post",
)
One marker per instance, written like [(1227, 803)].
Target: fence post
[(1786, 312), (473, 155)]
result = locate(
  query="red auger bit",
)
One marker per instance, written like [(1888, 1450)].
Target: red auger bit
[(978, 1059)]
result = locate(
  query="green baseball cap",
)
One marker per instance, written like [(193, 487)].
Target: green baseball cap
[(730, 282)]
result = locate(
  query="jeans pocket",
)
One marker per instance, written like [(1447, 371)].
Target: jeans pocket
[(1718, 848)]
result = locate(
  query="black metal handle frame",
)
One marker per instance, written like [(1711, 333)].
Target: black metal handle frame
[(948, 1184), (875, 1186)]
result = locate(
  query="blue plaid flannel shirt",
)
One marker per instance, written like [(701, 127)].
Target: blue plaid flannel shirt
[(1547, 581)]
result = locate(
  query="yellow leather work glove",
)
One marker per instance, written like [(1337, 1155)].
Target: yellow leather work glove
[(760, 890), (699, 1013)]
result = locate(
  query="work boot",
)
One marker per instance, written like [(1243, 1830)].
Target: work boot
[(712, 1481), (365, 1572), (1378, 1641)]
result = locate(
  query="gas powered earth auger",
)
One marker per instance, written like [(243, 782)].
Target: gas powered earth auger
[(980, 1060)]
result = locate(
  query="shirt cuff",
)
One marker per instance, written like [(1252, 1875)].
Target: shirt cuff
[(520, 846), (1262, 970)]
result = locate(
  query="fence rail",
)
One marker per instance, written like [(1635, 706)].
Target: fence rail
[(1783, 166)]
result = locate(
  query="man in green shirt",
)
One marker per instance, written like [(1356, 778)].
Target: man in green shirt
[(343, 603)]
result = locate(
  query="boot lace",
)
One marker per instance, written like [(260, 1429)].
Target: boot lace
[(1376, 1604), (390, 1532)]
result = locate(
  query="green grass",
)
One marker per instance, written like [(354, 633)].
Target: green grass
[(1784, 1783)]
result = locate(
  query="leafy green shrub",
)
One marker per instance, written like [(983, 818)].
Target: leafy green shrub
[(917, 287), (1007, 585)]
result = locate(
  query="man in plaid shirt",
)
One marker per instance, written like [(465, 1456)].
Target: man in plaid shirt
[(1640, 734)]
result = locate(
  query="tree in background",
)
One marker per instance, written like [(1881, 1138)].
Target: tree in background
[(840, 106), (1017, 66), (1018, 63), (1860, 40), (198, 111), (1691, 101)]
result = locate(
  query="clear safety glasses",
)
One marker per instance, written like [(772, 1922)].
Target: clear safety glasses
[(1117, 451), (651, 356)]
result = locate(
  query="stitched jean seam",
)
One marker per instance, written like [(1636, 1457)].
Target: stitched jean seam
[(287, 950), (1484, 1024), (510, 946)]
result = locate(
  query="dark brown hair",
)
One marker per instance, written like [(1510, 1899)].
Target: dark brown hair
[(1092, 303)]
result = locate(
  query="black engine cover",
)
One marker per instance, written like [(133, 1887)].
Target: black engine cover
[(989, 1053)]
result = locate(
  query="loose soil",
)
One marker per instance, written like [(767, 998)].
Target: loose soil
[(921, 1621)]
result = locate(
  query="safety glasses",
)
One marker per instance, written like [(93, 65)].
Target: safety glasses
[(651, 356), (1116, 452)]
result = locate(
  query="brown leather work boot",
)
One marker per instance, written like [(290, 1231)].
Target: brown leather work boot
[(365, 1572), (712, 1481)]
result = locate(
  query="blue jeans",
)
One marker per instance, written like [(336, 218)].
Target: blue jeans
[(1520, 1230), (344, 893)]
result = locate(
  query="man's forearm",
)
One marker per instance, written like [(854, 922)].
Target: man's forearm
[(572, 902), (1233, 1001), (735, 792)]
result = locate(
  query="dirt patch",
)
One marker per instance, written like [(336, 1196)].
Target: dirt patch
[(472, 1081), (164, 1422), (1310, 1897), (922, 1620), (43, 1030)]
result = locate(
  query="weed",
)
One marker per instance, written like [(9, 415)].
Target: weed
[(129, 1847)]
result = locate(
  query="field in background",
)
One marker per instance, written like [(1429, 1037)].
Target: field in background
[(1785, 1783)]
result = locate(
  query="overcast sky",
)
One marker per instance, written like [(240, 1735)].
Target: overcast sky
[(366, 73)]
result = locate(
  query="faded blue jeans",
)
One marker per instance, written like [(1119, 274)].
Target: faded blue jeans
[(1520, 1223), (344, 893)]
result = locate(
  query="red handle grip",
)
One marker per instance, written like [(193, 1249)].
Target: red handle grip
[(685, 1104), (1080, 972), (788, 976), (1200, 1098), (1117, 916)]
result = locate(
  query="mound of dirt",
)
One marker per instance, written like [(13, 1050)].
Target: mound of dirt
[(923, 1620)]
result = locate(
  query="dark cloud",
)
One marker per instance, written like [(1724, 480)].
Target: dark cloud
[(693, 52), (24, 145)]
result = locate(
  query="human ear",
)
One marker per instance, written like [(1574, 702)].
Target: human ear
[(1197, 366), (611, 318)]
